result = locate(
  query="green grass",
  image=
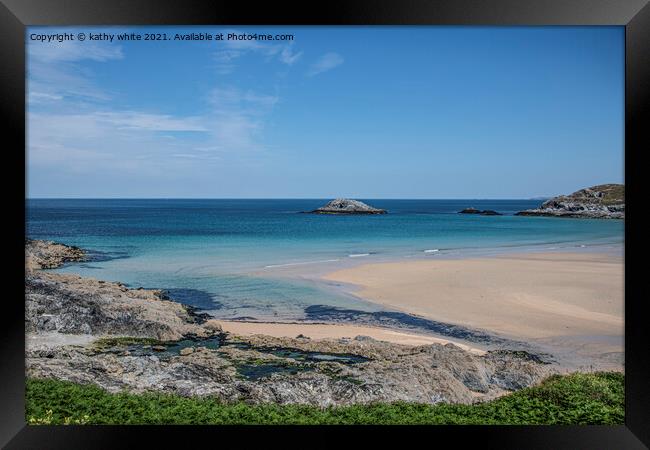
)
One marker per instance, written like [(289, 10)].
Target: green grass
[(596, 398), (614, 193)]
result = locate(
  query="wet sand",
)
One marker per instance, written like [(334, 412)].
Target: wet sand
[(532, 296), (319, 331), (560, 300)]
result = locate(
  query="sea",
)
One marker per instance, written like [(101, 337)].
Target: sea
[(250, 259)]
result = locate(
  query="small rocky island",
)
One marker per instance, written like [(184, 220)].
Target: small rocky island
[(605, 201), (347, 206), (484, 212)]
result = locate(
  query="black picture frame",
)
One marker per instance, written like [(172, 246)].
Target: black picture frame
[(15, 15)]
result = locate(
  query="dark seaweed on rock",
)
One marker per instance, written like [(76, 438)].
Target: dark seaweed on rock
[(397, 319)]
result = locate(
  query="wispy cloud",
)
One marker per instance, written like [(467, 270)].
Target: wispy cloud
[(231, 50), (238, 116), (74, 126), (326, 62), (70, 51), (229, 98), (117, 139), (55, 69), (133, 120), (133, 142), (41, 97), (288, 57)]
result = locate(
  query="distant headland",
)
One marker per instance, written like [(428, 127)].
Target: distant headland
[(605, 201)]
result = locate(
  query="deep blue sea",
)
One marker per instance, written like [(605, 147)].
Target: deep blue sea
[(223, 255)]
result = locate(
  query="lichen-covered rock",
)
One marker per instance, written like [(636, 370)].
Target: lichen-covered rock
[(605, 201), (346, 206)]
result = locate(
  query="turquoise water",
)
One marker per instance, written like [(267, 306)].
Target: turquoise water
[(224, 255)]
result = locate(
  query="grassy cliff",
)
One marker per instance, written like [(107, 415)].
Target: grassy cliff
[(612, 194), (596, 398)]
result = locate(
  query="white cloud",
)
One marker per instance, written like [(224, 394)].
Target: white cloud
[(233, 100), (288, 57), (70, 51), (326, 62), (133, 120), (238, 116), (73, 127), (59, 81), (54, 69), (104, 140), (57, 71), (38, 97), (231, 50), (133, 140)]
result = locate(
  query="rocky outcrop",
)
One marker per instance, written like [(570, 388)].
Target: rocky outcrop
[(605, 201), (262, 369), (68, 303), (71, 304), (346, 206), (484, 212), (49, 255)]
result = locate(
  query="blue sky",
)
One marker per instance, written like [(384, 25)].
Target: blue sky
[(365, 112)]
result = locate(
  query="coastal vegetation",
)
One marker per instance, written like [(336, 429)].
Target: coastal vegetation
[(594, 398)]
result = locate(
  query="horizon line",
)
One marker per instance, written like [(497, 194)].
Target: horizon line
[(284, 198)]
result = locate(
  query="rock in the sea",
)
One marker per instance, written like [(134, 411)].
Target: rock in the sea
[(186, 351), (605, 201), (346, 206), (484, 212)]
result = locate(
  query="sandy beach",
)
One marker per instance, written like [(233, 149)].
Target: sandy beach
[(335, 331), (525, 296)]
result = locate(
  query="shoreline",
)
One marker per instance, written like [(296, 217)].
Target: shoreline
[(381, 283), (560, 302), (317, 272), (324, 331), (86, 330), (414, 325)]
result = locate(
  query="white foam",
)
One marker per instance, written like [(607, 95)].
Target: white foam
[(358, 255), (300, 263), (433, 250)]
